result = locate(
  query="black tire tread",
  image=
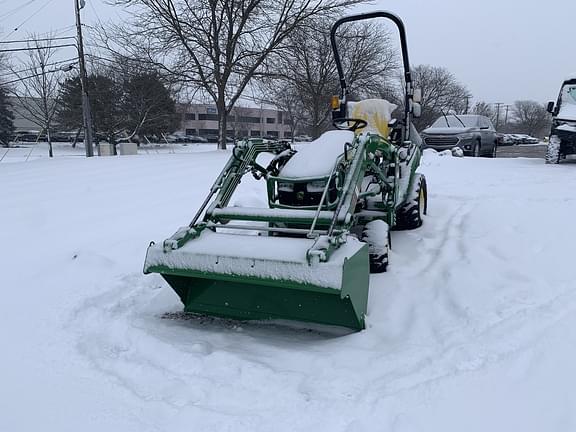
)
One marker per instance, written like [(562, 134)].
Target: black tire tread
[(553, 151), (408, 216), (378, 262)]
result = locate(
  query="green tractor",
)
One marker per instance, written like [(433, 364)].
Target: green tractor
[(325, 228)]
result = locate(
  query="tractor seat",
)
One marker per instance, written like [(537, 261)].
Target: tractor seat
[(377, 113)]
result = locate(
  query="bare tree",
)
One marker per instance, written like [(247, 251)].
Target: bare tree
[(217, 45), (486, 110), (530, 117), (6, 115), (441, 91), (305, 74), (37, 91), (237, 121), (284, 97)]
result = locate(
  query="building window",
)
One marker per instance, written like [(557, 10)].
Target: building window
[(255, 134), (270, 120), (190, 131), (189, 116), (272, 134), (287, 134), (208, 117), (208, 131), (248, 119), (280, 113)]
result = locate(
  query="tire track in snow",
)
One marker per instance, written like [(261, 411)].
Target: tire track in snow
[(512, 336), (439, 252), (159, 360), (472, 342)]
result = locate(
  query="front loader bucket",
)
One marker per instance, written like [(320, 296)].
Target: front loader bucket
[(260, 278)]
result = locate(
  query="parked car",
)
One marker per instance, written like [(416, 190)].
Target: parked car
[(214, 139), (27, 136), (302, 138), (60, 137), (474, 134), (195, 139), (506, 140), (527, 139)]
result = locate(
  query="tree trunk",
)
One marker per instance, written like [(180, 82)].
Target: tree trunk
[(49, 138), (76, 138), (222, 125), (316, 126)]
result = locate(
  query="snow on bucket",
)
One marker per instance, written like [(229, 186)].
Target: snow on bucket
[(261, 278)]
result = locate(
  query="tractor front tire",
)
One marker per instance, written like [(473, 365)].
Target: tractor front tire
[(411, 214), (377, 235), (553, 150)]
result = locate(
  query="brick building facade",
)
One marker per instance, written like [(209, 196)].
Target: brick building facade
[(202, 119)]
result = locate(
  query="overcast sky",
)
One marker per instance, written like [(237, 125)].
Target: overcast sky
[(502, 50)]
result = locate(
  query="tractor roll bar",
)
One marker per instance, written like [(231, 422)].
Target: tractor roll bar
[(359, 17)]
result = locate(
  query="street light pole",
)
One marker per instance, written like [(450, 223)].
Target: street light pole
[(84, 84)]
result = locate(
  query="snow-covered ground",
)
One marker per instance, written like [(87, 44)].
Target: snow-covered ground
[(25, 152), (472, 329)]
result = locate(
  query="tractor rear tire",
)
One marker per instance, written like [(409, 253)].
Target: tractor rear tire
[(377, 235), (553, 150), (411, 214)]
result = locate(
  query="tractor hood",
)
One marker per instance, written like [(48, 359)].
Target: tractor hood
[(447, 130), (316, 159)]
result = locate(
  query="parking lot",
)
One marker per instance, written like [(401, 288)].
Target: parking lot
[(528, 151)]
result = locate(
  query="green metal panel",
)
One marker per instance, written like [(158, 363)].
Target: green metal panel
[(249, 298)]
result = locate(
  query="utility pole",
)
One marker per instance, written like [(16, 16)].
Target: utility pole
[(506, 117), (79, 4), (498, 105)]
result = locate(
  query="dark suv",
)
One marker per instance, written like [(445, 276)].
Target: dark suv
[(474, 134)]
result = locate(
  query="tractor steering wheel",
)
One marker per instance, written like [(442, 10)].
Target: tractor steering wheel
[(344, 124)]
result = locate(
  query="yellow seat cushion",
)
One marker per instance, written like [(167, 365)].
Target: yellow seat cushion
[(377, 113)]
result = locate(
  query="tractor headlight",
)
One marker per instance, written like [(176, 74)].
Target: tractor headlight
[(286, 187), (316, 186)]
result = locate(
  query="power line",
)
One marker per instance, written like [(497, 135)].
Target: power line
[(32, 69), (16, 10), (95, 12), (57, 32), (37, 48), (29, 18), (32, 76), (37, 40)]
